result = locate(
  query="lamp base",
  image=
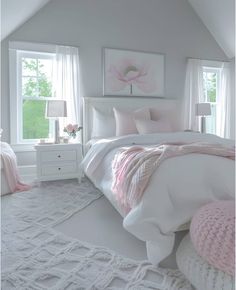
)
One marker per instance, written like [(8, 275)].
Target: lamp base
[(203, 124), (57, 135)]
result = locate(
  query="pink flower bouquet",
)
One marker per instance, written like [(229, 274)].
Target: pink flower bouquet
[(71, 130)]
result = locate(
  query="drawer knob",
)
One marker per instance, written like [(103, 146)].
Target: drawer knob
[(59, 168), (59, 156)]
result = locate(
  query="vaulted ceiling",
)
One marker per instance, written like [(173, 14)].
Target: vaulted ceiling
[(16, 12), (217, 15)]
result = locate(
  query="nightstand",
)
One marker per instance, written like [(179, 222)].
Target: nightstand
[(58, 161)]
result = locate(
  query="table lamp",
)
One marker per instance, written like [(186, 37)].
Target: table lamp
[(56, 109), (203, 110)]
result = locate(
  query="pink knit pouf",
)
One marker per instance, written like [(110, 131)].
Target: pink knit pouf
[(212, 232)]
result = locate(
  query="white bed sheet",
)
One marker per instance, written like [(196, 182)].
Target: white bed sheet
[(5, 189), (91, 142), (176, 190)]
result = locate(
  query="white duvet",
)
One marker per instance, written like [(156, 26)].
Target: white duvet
[(176, 190)]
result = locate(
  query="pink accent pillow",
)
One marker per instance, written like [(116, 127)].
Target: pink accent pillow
[(150, 126), (212, 232), (125, 121)]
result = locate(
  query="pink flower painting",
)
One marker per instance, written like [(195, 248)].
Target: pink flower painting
[(133, 75)]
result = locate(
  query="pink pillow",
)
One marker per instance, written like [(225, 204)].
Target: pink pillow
[(212, 232), (125, 121), (150, 126)]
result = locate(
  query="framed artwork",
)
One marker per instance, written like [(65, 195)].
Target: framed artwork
[(133, 73)]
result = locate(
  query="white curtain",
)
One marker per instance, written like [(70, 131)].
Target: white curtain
[(193, 94), (223, 110), (66, 81)]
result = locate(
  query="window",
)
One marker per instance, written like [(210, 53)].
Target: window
[(31, 87), (211, 95), (34, 89), (208, 81), (39, 72)]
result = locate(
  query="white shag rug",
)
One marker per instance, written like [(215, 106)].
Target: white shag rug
[(36, 257)]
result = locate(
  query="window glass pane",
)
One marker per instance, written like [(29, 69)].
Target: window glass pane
[(35, 125), (29, 67), (41, 84), (45, 77), (45, 68), (29, 86), (211, 87), (45, 87), (210, 80), (210, 77)]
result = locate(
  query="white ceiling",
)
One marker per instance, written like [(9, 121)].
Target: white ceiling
[(15, 12), (219, 17)]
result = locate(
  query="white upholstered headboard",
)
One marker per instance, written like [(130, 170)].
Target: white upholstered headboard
[(106, 104)]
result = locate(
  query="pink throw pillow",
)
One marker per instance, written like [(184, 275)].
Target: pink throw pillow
[(125, 121), (150, 126), (212, 232)]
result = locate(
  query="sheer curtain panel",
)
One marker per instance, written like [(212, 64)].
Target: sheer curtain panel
[(223, 118), (67, 82), (193, 94)]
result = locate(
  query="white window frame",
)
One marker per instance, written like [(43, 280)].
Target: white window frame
[(15, 49), (213, 69)]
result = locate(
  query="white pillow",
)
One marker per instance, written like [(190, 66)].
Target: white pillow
[(125, 121), (150, 126), (103, 125)]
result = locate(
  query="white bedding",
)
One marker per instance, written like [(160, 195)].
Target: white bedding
[(90, 143), (176, 190)]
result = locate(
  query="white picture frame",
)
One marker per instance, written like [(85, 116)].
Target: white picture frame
[(133, 73)]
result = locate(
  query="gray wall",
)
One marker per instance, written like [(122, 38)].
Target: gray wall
[(166, 26)]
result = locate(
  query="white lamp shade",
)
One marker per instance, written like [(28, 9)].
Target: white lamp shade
[(56, 109), (203, 109)]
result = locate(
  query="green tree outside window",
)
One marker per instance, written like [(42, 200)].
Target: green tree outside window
[(210, 86), (35, 83)]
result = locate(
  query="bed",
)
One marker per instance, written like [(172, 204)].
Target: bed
[(5, 189), (10, 178), (176, 190)]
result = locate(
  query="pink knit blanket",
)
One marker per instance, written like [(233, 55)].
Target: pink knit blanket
[(8, 159), (134, 166)]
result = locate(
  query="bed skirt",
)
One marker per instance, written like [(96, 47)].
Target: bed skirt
[(5, 189)]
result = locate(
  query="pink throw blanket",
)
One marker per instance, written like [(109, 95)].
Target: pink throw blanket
[(134, 166), (8, 159)]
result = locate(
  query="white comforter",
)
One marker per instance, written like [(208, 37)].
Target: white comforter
[(176, 190)]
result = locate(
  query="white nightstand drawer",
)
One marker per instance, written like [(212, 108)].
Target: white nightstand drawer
[(58, 161), (62, 155), (59, 169)]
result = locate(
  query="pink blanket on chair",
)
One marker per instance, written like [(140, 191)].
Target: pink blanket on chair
[(134, 166), (8, 159)]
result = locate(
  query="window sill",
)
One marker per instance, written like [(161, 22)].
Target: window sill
[(23, 147)]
